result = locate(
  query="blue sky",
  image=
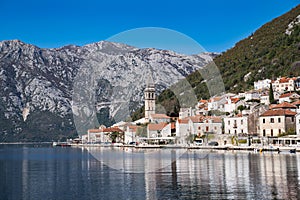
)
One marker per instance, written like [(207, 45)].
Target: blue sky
[(216, 25)]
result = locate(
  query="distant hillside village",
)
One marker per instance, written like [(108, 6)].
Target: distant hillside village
[(268, 114)]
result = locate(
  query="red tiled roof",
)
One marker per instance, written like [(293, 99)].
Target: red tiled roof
[(203, 101), (156, 127), (202, 119), (239, 115), (112, 129), (287, 95), (105, 130), (296, 102), (133, 128), (215, 99), (159, 116), (281, 112), (197, 118), (284, 105), (234, 100), (183, 121), (94, 130)]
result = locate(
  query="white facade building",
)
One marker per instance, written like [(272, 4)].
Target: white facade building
[(265, 99), (185, 112), (236, 125), (182, 130), (284, 84), (262, 84), (252, 96)]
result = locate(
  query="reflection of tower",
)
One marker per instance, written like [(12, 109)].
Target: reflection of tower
[(149, 98)]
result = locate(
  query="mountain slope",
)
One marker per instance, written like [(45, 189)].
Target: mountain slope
[(272, 51), (37, 85)]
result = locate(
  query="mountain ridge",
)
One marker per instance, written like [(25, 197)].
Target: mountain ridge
[(37, 83)]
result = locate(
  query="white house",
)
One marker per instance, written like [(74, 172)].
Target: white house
[(202, 107), (185, 112), (216, 103), (182, 130), (200, 125), (212, 125), (130, 134), (265, 99), (232, 104), (236, 125), (262, 84), (283, 84), (102, 134), (288, 97), (156, 130), (252, 95)]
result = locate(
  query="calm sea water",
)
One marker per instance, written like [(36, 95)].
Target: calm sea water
[(44, 172)]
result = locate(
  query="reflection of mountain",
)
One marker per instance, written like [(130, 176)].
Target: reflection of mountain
[(37, 84)]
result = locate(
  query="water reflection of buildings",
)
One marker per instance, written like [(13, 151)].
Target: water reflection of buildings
[(229, 176), (74, 173)]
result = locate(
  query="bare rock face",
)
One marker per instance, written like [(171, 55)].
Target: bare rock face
[(37, 84)]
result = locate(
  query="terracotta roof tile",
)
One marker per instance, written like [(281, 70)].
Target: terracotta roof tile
[(281, 112), (156, 127), (234, 100), (284, 105), (159, 116), (287, 95), (183, 121)]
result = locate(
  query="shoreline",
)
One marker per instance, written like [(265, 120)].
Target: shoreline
[(278, 149), (227, 148), (13, 143)]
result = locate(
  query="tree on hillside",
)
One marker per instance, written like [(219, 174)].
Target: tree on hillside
[(271, 94)]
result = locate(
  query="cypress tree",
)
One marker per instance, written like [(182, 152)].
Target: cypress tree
[(271, 94)]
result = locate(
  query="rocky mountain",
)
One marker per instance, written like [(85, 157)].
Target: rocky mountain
[(41, 89)]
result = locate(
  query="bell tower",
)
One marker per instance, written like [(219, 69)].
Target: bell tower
[(149, 98)]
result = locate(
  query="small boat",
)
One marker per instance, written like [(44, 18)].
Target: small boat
[(61, 144), (293, 151)]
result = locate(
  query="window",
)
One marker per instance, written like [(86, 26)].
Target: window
[(229, 122), (242, 131), (199, 128), (279, 131), (229, 131), (279, 120), (272, 120), (272, 132), (207, 129), (292, 119), (264, 120), (264, 133), (241, 122)]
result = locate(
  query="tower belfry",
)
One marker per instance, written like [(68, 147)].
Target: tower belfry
[(149, 97)]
